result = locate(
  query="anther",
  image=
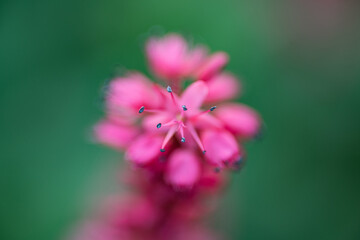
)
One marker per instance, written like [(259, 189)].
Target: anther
[(217, 170), (162, 150), (204, 152), (141, 110), (158, 125), (169, 89), (184, 108), (183, 139), (212, 108)]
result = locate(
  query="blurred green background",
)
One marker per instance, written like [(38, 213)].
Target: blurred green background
[(300, 64)]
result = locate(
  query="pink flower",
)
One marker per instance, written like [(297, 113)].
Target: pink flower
[(176, 120), (182, 117), (170, 58), (178, 141)]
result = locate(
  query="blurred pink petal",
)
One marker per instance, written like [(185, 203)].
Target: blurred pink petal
[(223, 86), (170, 58), (99, 230), (114, 135), (140, 213), (206, 121), (213, 65), (127, 94), (195, 58), (239, 119), (144, 149), (221, 147), (183, 169)]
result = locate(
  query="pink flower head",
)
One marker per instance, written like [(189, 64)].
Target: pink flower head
[(178, 141), (185, 118)]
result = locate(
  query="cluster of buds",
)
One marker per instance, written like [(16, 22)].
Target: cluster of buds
[(180, 141)]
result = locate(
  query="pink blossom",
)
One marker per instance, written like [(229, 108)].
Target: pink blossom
[(170, 58), (180, 142)]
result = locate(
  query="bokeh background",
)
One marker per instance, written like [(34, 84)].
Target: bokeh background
[(299, 60)]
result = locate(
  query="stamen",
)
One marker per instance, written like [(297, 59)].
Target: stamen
[(170, 123), (195, 136), (167, 138), (158, 125), (142, 109), (181, 128), (184, 108), (173, 97), (204, 112), (153, 111)]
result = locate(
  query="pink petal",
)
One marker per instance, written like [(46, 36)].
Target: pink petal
[(150, 122), (221, 147), (206, 121), (142, 213), (114, 135), (212, 66), (183, 169), (222, 87), (239, 119), (144, 149), (167, 56), (194, 96), (195, 59), (127, 94)]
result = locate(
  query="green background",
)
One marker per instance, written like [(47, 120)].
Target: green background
[(300, 64)]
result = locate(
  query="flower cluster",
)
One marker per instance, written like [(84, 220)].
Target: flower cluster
[(178, 140)]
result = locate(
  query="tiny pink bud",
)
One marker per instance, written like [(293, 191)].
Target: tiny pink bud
[(221, 147)]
